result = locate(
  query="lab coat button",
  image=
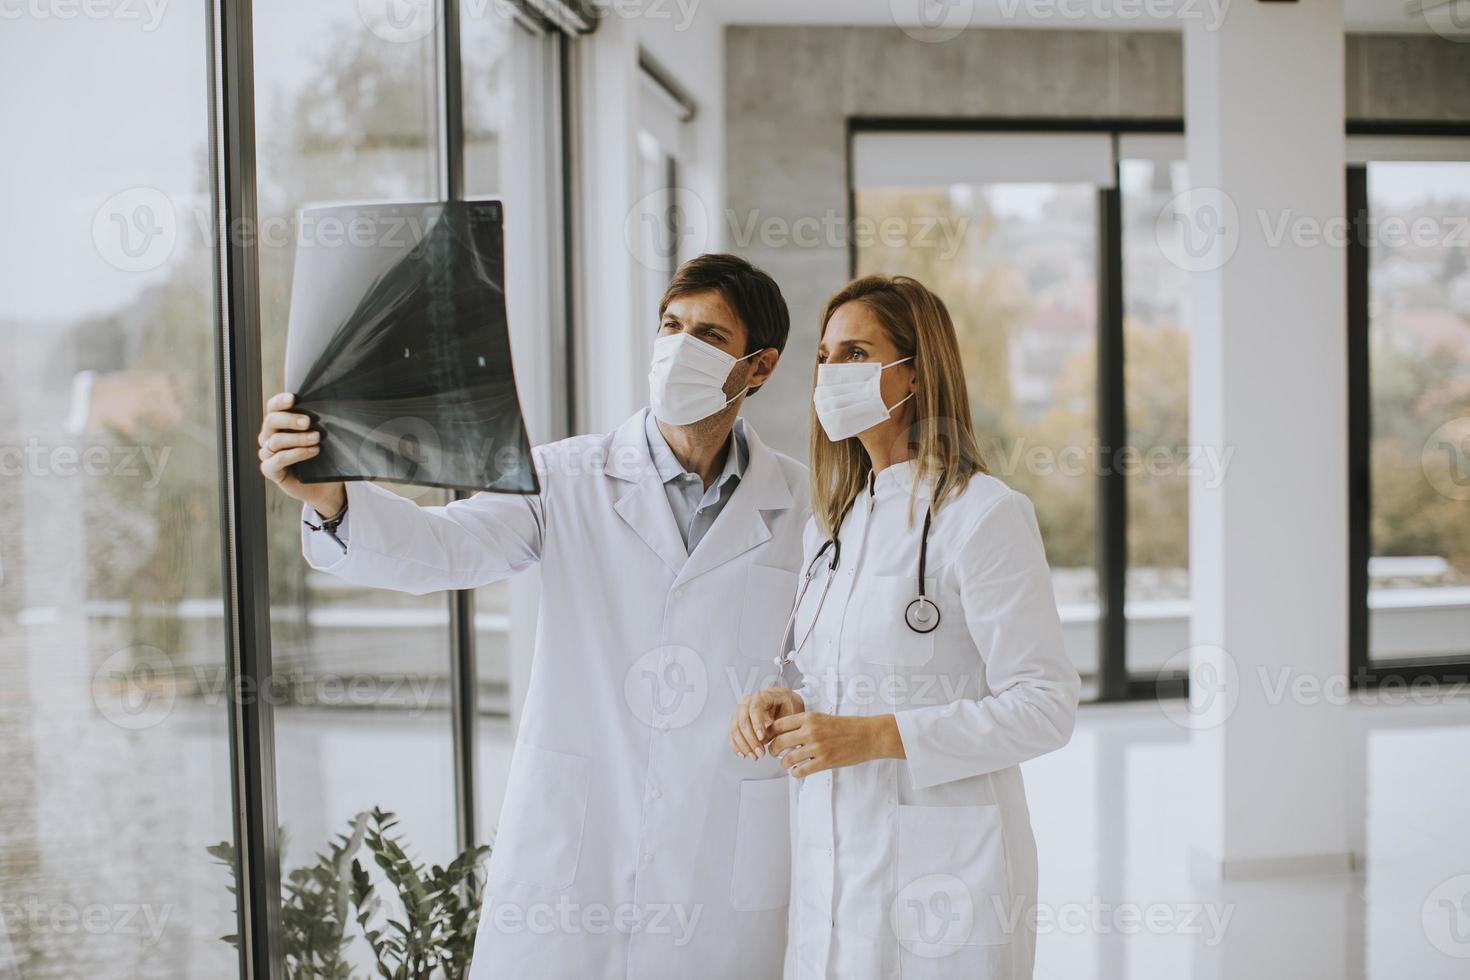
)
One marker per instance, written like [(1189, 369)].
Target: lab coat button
[(678, 593), (655, 792)]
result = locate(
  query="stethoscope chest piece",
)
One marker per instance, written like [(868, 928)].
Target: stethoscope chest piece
[(922, 615)]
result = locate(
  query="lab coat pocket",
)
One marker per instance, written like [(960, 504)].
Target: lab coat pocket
[(761, 878), (952, 880), (539, 839), (769, 594), (885, 637)]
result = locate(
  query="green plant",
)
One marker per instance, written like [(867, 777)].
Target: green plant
[(424, 927)]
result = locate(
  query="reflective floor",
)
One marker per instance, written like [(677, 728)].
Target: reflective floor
[(1111, 813), (1118, 900)]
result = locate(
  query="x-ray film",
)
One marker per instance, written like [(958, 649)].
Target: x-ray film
[(398, 347)]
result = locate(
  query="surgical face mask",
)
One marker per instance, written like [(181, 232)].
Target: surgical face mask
[(687, 380), (849, 397)]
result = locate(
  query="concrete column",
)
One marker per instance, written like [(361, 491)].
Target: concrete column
[(1264, 110)]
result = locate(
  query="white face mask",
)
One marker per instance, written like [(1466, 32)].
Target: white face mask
[(687, 380), (849, 397)]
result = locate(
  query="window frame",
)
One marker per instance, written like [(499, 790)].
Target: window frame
[(1364, 672), (243, 516), (1114, 681)]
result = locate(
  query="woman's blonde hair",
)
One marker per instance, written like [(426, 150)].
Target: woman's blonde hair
[(941, 439)]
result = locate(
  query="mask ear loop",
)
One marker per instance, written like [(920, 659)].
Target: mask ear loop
[(905, 397), (746, 389), (895, 405)]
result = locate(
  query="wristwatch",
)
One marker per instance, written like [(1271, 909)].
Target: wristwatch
[(330, 525)]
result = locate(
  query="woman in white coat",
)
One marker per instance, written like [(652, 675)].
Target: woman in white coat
[(926, 663)]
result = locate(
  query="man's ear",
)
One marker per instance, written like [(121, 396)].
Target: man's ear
[(766, 363), (763, 365)]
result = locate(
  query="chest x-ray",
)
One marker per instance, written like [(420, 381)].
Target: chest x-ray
[(398, 347)]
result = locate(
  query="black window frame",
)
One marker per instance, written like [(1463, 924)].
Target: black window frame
[(1365, 673), (239, 407), (1114, 681)]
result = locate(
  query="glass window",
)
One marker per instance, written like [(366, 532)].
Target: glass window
[(346, 109), (1419, 393), (665, 217), (513, 153), (1156, 303), (114, 738), (1016, 263)]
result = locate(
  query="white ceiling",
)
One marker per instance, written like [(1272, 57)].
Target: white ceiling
[(1360, 15)]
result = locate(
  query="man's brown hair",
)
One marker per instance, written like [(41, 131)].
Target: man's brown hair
[(752, 295)]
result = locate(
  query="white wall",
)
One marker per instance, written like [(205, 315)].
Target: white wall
[(1268, 555), (613, 338)]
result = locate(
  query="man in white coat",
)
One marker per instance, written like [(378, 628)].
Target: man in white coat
[(632, 843)]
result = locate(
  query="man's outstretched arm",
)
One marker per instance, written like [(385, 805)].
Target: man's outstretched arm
[(387, 541)]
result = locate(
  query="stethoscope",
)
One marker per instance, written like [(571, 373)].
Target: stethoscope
[(921, 614)]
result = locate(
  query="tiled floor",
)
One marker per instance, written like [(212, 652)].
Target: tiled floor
[(1111, 813)]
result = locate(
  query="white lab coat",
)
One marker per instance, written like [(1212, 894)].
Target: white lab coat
[(633, 842), (927, 867)]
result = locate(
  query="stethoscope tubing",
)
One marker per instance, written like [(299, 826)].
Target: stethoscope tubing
[(921, 614)]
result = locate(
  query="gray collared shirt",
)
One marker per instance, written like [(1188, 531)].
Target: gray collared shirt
[(694, 507)]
